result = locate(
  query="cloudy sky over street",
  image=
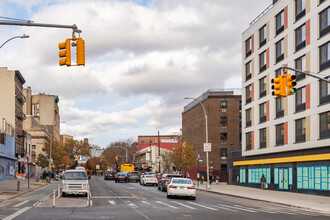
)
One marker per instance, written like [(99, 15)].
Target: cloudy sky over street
[(142, 58)]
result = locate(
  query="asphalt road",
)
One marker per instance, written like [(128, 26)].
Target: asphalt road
[(110, 200)]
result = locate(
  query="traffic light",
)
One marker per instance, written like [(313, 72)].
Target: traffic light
[(279, 87), (80, 52), (116, 158), (65, 53), (290, 80)]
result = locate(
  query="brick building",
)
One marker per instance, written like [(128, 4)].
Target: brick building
[(223, 119)]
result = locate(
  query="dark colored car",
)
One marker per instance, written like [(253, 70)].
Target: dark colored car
[(133, 176), (121, 177), (109, 175), (165, 180)]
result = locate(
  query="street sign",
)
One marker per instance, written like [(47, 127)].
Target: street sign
[(198, 156), (207, 147)]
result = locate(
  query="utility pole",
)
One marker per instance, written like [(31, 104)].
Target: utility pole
[(306, 73), (158, 153)]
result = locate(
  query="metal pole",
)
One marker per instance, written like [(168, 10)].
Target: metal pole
[(198, 175), (32, 24), (50, 156), (23, 36), (158, 153), (306, 73), (126, 155)]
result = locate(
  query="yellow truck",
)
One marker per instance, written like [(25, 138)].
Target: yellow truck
[(127, 167)]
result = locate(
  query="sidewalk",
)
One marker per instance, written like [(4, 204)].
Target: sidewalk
[(319, 203), (8, 187)]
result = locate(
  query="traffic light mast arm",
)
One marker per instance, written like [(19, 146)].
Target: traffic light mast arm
[(306, 73), (31, 23)]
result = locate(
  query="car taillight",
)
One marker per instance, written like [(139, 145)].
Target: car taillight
[(116, 175), (173, 187), (106, 174), (191, 187), (129, 175), (146, 179), (166, 180)]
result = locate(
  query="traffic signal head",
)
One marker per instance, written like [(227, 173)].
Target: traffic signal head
[(116, 158), (280, 86), (80, 52), (65, 53), (291, 84)]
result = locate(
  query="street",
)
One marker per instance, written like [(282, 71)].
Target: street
[(110, 200)]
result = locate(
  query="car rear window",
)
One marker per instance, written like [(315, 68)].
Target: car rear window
[(135, 173), (150, 177), (179, 181), (74, 176)]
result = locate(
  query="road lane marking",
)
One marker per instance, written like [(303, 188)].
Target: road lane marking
[(187, 206), (112, 202), (233, 207), (228, 209), (19, 204), (14, 215), (252, 209), (145, 202), (203, 206), (173, 207), (113, 197), (131, 204)]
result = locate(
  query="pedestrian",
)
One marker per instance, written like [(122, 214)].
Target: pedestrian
[(210, 177), (202, 179), (217, 178), (187, 175), (263, 182)]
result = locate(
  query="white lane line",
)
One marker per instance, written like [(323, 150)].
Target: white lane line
[(131, 204), (247, 210), (228, 209), (145, 202), (19, 204), (173, 207), (187, 206), (252, 209), (203, 206), (112, 202), (113, 197), (14, 215)]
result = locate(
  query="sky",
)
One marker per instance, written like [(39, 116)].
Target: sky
[(142, 58)]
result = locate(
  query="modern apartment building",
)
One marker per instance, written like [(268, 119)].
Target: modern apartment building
[(223, 110), (287, 139), (65, 138)]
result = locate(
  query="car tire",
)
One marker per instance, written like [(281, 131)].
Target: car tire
[(63, 194), (158, 187), (193, 198), (168, 196)]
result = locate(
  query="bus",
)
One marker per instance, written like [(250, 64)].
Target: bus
[(127, 167)]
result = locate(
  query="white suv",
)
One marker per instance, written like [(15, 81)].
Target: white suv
[(75, 182)]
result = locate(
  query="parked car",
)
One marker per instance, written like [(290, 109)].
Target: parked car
[(75, 182), (109, 175), (121, 176), (133, 176), (166, 178), (181, 187), (148, 179)]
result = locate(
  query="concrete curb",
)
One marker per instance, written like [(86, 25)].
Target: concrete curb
[(261, 200)]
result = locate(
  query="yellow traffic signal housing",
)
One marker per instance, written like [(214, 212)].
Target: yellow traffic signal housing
[(116, 158), (65, 53), (280, 86), (290, 80), (80, 52)]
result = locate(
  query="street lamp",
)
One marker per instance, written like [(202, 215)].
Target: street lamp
[(23, 36), (206, 135)]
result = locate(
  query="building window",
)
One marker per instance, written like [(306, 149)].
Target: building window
[(240, 105), (300, 65), (33, 147), (262, 112), (280, 22), (223, 121), (2, 169), (301, 99), (248, 71), (325, 22), (301, 130), (324, 92), (262, 87), (248, 117), (223, 104), (248, 91), (262, 36), (37, 106), (248, 141), (300, 9), (262, 61), (240, 138), (325, 56), (223, 137), (32, 109), (325, 125), (240, 122), (300, 37), (279, 134), (223, 152), (321, 1), (280, 50), (278, 72), (279, 107), (263, 137), (248, 47)]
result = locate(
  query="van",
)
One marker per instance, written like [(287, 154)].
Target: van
[(75, 182)]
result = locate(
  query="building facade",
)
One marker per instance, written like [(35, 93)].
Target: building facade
[(223, 118), (288, 138)]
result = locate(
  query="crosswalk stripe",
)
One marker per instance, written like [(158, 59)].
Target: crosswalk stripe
[(131, 204), (112, 202), (237, 208), (173, 207), (14, 215), (228, 209), (19, 204), (187, 206), (203, 206), (145, 202), (258, 210)]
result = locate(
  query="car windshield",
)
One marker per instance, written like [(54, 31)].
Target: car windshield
[(134, 173), (171, 176), (150, 177), (181, 181), (74, 176)]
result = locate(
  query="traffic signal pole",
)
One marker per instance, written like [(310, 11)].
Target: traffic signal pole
[(306, 73)]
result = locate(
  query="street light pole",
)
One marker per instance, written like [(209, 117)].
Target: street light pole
[(207, 140), (126, 152), (23, 36)]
